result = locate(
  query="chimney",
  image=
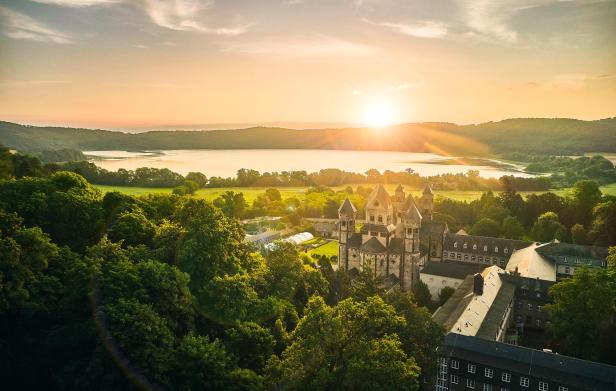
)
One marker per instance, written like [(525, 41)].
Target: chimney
[(478, 284)]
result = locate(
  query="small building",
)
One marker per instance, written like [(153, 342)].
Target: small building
[(471, 363), (438, 275), (482, 306)]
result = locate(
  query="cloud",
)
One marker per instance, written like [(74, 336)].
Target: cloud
[(419, 29), (488, 18), (77, 3), (19, 26), (400, 87), (20, 83), (303, 47), (180, 15), (567, 81)]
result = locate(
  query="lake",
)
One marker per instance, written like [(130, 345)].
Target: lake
[(225, 163)]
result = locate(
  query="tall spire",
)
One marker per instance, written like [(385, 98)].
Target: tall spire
[(428, 190), (347, 207)]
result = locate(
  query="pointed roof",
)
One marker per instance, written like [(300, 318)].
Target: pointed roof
[(347, 207), (411, 212), (428, 190), (399, 189), (379, 194), (373, 246)]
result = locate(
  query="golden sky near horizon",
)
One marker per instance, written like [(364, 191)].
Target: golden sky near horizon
[(123, 63)]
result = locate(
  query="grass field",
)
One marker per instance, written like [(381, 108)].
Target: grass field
[(329, 249), (250, 193)]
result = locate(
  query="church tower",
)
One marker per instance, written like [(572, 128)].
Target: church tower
[(412, 223), (427, 203), (346, 228)]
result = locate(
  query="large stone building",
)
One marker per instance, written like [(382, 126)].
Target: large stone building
[(397, 236)]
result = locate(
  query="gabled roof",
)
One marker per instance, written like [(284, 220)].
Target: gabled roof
[(399, 188), (529, 263), (379, 194), (355, 240), (373, 246), (428, 190), (347, 207), (573, 254), (410, 210), (369, 227), (458, 270)]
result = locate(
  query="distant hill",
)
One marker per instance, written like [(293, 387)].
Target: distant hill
[(533, 135)]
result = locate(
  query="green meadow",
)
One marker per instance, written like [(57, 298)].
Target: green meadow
[(250, 193)]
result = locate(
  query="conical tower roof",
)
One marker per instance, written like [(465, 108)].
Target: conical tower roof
[(379, 194), (347, 207), (399, 189), (428, 190)]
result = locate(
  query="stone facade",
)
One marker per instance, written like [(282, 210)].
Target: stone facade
[(396, 237)]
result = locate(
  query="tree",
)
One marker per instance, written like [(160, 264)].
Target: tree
[(579, 234), (512, 228), (354, 345), (548, 228), (485, 227), (273, 194), (445, 294), (422, 294), (6, 164), (582, 315), (251, 344), (602, 230), (586, 195), (198, 178), (133, 228), (232, 204)]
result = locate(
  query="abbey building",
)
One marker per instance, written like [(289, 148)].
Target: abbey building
[(397, 236)]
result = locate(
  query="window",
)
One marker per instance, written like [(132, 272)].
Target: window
[(455, 244), (530, 307), (455, 364), (459, 256), (474, 246), (344, 224), (487, 387), (506, 377), (485, 248), (470, 383), (380, 219), (445, 254), (466, 257), (472, 368), (538, 322), (454, 379), (524, 382), (465, 245), (371, 217), (506, 251), (567, 270), (563, 388), (496, 249), (376, 203), (488, 372), (409, 231), (543, 386), (473, 258), (480, 259)]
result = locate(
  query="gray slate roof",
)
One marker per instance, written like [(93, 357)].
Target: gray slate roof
[(369, 227), (347, 207), (573, 254), (481, 241), (457, 270), (373, 246), (582, 374), (355, 240)]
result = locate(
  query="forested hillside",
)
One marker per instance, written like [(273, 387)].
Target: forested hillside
[(541, 136)]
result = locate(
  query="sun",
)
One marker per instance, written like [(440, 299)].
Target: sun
[(378, 114)]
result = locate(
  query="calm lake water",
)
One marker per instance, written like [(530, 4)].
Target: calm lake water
[(225, 163)]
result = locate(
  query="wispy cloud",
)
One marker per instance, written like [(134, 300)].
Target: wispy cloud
[(567, 81), (19, 26), (303, 47), (20, 83), (77, 3), (180, 15), (419, 29)]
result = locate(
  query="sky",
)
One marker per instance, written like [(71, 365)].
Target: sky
[(139, 63)]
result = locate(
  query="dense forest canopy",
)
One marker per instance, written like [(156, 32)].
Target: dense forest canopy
[(540, 136)]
